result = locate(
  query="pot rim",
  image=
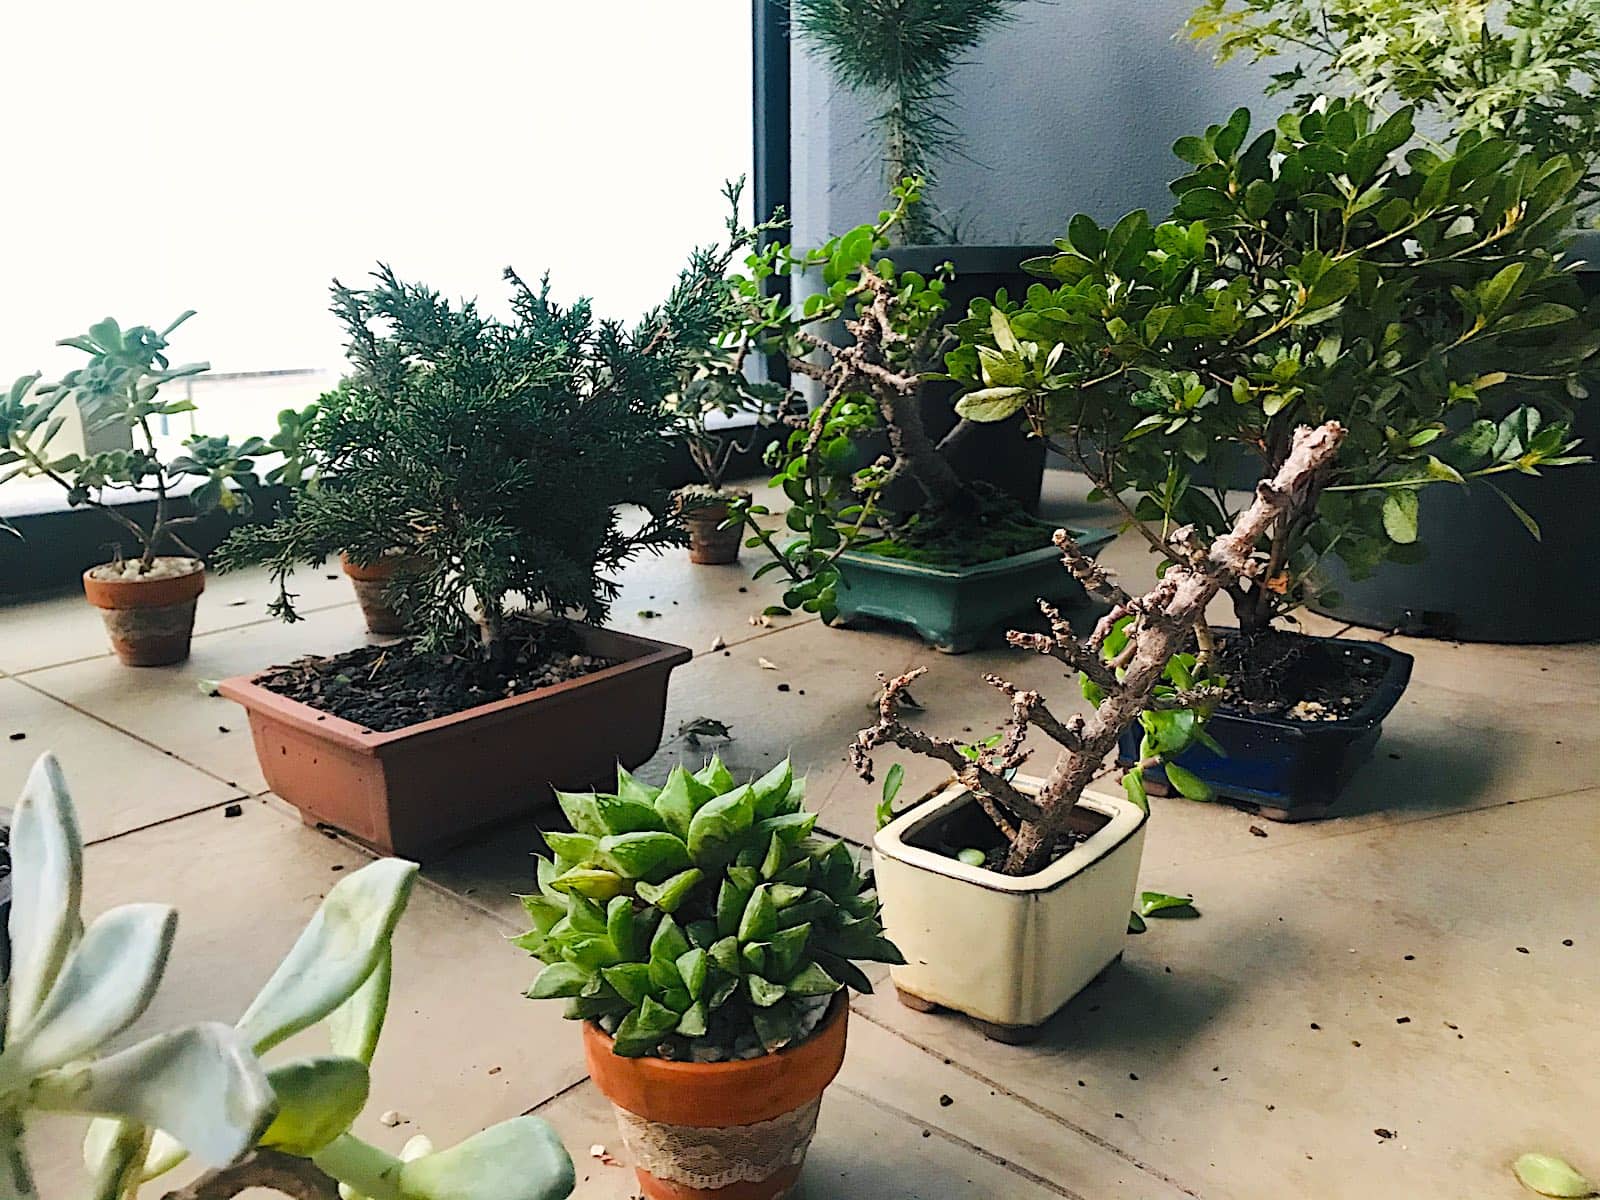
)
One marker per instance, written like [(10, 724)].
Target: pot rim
[(1091, 539), (1126, 819), (244, 690), (1397, 675), (145, 593), (680, 1093)]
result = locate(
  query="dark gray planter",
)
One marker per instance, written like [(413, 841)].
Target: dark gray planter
[(1485, 578)]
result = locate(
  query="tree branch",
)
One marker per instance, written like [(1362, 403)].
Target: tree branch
[(295, 1177)]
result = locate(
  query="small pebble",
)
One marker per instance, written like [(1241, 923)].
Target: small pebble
[(223, 729), (945, 1101), (1411, 958), (1385, 1134), (1257, 831), (233, 810), (1131, 1075), (1314, 1025), (337, 867), (1566, 941), (17, 737), (390, 1119), (1523, 950), (1402, 1020), (783, 687)]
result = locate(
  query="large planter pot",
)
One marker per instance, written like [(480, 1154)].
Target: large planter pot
[(420, 790), (703, 515), (1483, 564), (729, 1130), (371, 584), (1288, 770), (1006, 950), (954, 608), (150, 620), (1001, 454)]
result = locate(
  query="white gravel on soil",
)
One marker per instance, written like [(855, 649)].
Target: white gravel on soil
[(164, 567)]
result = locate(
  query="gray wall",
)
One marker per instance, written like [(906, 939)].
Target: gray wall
[(1072, 108)]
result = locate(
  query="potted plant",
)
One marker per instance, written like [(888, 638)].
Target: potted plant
[(148, 601), (897, 58), (962, 560), (1524, 72), (722, 413), (203, 1090), (1007, 895), (706, 939), (497, 453), (1306, 274)]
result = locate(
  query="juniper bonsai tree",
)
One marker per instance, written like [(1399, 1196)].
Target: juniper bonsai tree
[(1307, 274), (495, 452), (899, 54), (1135, 665), (701, 919)]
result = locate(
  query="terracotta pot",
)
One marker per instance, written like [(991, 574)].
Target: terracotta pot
[(1007, 950), (420, 790), (691, 1128), (371, 584), (709, 545), (150, 620)]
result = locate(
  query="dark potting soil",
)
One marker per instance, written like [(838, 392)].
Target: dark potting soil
[(971, 829), (390, 687), (995, 527), (1281, 674)]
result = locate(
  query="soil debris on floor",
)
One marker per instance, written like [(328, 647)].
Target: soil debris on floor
[(390, 687)]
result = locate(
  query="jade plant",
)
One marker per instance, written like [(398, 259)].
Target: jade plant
[(1136, 665), (494, 452), (1307, 273), (120, 386), (871, 382), (1524, 70), (700, 920), (203, 1091), (898, 55)]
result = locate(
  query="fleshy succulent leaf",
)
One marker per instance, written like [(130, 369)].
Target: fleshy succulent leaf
[(520, 1159), (46, 888)]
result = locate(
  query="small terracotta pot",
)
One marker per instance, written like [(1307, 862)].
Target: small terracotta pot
[(404, 792), (371, 583), (720, 1131), (709, 545), (150, 621)]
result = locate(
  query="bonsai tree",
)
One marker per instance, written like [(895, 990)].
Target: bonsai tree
[(700, 920), (1306, 275), (871, 385), (204, 1090), (1135, 665), (1523, 71), (120, 386), (494, 452), (898, 55)]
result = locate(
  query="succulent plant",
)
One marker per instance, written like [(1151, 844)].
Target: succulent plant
[(202, 1091), (700, 915)]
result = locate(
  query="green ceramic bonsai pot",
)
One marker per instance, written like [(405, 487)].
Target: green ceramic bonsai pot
[(954, 608)]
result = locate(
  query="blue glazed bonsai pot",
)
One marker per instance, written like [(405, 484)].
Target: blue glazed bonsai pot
[(1288, 770)]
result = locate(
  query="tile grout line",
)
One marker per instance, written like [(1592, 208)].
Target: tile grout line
[(241, 793), (969, 1146), (1055, 1118), (176, 817)]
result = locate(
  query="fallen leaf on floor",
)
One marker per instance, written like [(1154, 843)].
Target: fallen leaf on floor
[(648, 612), (1257, 831), (17, 737), (1551, 1176), (208, 687), (1385, 1134), (766, 664)]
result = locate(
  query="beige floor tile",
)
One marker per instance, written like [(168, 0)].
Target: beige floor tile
[(165, 705), (63, 628), (119, 782), (862, 1151), (462, 1048), (1237, 1094)]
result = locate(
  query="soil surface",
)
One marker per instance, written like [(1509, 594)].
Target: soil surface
[(390, 687), (1281, 674), (164, 567), (994, 526)]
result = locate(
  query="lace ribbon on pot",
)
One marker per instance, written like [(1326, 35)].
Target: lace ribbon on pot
[(715, 1158)]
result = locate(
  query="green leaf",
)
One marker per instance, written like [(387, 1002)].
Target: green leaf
[(342, 945), (759, 921), (557, 980), (763, 992), (620, 925), (1522, 514), (1133, 784), (972, 856), (670, 895), (1188, 783), (46, 885), (771, 788), (652, 857), (577, 849), (519, 1159), (641, 1031), (354, 1027), (892, 781), (992, 404), (1551, 1176), (1135, 923), (631, 981), (1155, 903), (317, 1099), (591, 882), (680, 799), (720, 821), (691, 966), (775, 1026), (715, 776), (1400, 515), (812, 980), (629, 788), (581, 813)]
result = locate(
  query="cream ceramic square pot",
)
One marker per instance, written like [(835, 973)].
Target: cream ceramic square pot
[(1008, 950)]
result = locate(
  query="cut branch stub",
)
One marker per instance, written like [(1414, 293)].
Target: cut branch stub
[(1163, 619)]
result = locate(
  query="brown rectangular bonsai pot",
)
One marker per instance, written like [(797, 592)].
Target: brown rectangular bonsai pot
[(418, 791)]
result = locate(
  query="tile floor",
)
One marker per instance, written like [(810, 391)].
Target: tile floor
[(1250, 1053)]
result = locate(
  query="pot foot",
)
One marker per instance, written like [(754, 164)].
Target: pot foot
[(1009, 1035), (1292, 816), (917, 1003)]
